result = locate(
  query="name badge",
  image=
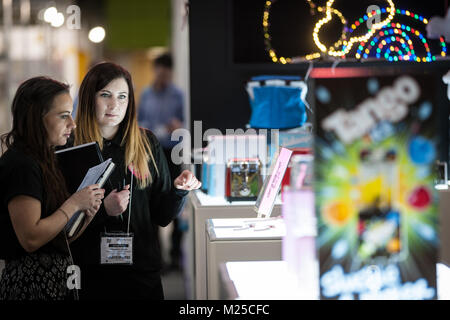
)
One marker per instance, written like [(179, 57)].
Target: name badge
[(116, 248)]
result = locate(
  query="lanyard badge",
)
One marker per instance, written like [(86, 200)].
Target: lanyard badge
[(116, 248)]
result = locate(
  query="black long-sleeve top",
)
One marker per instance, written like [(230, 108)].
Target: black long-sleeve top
[(156, 205), (20, 174)]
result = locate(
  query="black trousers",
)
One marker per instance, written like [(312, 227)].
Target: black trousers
[(119, 283)]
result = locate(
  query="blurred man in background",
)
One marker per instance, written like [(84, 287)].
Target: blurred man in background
[(161, 110)]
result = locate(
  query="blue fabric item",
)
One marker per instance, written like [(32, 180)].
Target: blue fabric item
[(267, 77), (277, 107)]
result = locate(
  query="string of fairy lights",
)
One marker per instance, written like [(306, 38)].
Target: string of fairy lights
[(391, 36), (394, 34), (315, 55), (347, 44), (385, 39)]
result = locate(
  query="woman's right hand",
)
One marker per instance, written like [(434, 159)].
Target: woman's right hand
[(88, 198), (117, 202)]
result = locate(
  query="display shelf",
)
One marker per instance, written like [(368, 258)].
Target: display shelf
[(255, 280), (248, 229), (202, 207), (240, 240)]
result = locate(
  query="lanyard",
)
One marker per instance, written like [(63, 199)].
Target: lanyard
[(129, 206), (117, 247), (129, 203)]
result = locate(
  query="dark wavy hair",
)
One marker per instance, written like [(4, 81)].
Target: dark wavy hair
[(32, 101)]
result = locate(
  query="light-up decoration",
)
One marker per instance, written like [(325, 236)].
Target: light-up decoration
[(444, 47), (438, 26), (328, 10), (385, 10), (386, 38), (347, 45), (312, 56), (396, 33), (343, 22)]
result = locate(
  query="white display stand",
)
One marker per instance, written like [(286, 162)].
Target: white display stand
[(444, 226), (271, 280), (258, 280), (240, 239), (202, 207)]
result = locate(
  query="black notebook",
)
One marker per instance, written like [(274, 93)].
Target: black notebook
[(75, 162), (95, 175)]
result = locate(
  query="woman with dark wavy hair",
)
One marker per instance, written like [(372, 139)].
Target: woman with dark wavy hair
[(35, 205), (146, 199)]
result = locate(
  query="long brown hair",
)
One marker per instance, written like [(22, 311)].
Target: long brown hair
[(32, 101), (137, 147)]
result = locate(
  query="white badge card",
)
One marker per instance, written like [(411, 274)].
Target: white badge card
[(116, 248)]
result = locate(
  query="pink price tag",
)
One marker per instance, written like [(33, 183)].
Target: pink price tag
[(265, 205)]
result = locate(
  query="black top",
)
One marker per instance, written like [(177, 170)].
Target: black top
[(20, 174), (157, 205)]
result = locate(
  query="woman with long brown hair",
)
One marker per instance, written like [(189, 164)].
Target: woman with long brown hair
[(119, 254), (35, 206)]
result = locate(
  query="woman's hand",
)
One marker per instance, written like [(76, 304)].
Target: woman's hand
[(117, 202), (88, 198), (187, 181), (90, 213)]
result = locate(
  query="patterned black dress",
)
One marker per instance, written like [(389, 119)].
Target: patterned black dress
[(36, 276), (41, 275)]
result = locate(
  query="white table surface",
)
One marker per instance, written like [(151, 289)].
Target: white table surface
[(246, 228)]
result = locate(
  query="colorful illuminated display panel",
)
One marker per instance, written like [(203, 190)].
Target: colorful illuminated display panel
[(375, 149)]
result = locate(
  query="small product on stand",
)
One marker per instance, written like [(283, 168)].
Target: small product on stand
[(243, 179)]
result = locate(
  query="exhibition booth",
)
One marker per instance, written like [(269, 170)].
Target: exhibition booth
[(338, 186)]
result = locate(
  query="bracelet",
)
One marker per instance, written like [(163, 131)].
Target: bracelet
[(67, 216)]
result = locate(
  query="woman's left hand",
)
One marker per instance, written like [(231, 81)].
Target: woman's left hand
[(187, 181)]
